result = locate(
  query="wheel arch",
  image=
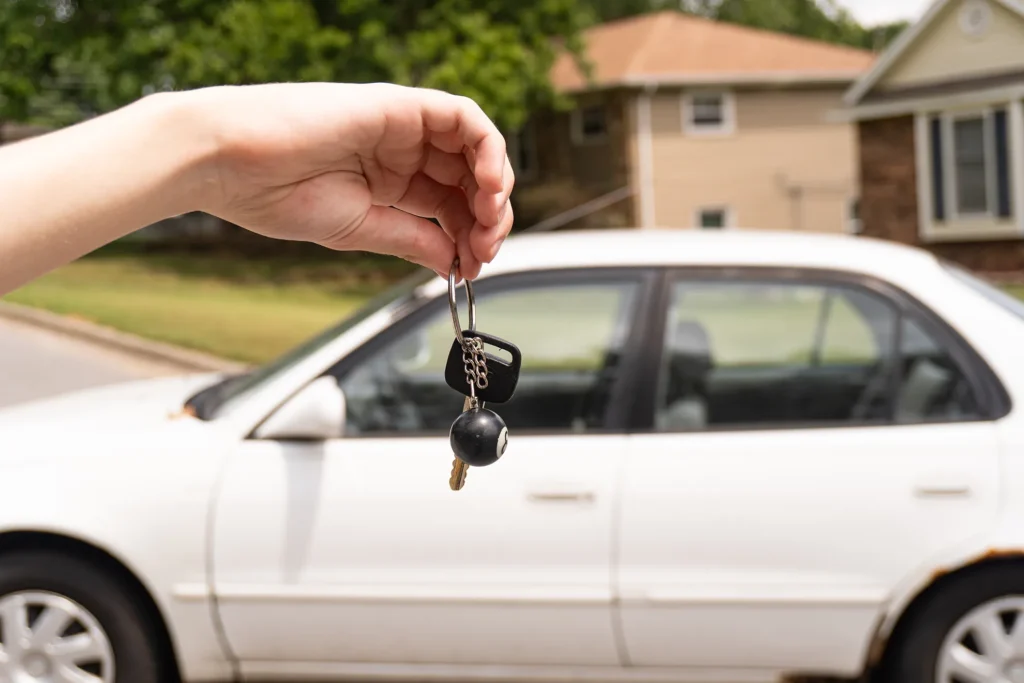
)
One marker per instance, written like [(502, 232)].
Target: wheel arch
[(12, 541), (893, 621)]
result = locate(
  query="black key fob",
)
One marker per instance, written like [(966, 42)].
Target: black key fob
[(502, 377)]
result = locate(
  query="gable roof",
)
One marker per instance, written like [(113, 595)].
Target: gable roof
[(901, 45), (671, 47)]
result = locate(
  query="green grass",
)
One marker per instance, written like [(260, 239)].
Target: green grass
[(248, 311)]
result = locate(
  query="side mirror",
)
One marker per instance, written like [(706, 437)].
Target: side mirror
[(316, 412)]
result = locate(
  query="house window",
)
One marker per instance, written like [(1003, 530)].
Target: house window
[(852, 216), (590, 123), (970, 168), (970, 165), (522, 152), (714, 218), (965, 165), (708, 112)]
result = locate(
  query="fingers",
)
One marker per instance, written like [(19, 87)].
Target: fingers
[(458, 124), (445, 113), (451, 169), (486, 239), (385, 230), (428, 198)]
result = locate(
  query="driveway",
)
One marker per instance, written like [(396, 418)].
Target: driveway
[(37, 363)]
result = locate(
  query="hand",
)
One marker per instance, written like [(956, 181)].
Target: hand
[(360, 167)]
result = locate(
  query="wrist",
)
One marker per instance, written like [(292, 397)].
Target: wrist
[(183, 137)]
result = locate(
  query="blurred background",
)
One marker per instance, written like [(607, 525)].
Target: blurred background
[(599, 100)]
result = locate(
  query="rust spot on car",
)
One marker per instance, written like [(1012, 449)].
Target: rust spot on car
[(999, 553), (186, 411)]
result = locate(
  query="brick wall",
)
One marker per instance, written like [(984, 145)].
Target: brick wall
[(889, 208), (888, 179)]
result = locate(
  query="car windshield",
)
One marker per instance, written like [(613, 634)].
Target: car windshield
[(210, 400), (1007, 302)]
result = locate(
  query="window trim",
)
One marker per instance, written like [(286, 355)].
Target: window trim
[(949, 165), (992, 397), (854, 225), (515, 143), (621, 397), (728, 125), (579, 139), (728, 215)]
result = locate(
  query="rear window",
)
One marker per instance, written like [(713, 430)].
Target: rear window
[(996, 295)]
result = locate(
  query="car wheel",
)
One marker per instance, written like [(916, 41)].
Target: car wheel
[(63, 619), (971, 631)]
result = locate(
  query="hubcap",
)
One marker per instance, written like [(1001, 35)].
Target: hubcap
[(47, 638)]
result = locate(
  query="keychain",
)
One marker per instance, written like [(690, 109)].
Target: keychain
[(478, 436)]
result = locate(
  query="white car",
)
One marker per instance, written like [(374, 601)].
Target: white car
[(733, 456)]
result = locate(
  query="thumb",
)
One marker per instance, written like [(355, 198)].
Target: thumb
[(389, 231)]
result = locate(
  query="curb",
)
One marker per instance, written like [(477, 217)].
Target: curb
[(184, 359)]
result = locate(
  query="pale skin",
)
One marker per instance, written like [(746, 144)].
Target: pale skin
[(348, 167)]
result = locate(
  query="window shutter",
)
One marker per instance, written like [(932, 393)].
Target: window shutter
[(1003, 206), (938, 196)]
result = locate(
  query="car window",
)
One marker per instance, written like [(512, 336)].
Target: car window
[(770, 354), (932, 386), (571, 336)]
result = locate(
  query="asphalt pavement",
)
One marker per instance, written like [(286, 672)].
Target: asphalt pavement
[(36, 363)]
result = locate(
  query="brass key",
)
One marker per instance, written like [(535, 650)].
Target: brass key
[(459, 468)]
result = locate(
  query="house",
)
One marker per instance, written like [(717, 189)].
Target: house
[(690, 122), (940, 125)]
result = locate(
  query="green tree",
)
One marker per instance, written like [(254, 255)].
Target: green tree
[(32, 35), (497, 51)]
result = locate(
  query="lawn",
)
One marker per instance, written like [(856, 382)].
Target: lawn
[(249, 310)]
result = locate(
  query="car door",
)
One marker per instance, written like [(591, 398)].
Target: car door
[(356, 550), (814, 440)]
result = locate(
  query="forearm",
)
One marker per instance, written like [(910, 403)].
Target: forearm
[(84, 186)]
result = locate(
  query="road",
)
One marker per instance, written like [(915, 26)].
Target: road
[(36, 363)]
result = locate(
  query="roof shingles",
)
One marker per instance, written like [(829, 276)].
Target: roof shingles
[(673, 46)]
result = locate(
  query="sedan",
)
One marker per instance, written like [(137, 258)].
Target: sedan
[(731, 456)]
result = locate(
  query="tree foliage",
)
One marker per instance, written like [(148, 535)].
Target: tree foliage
[(61, 60), (105, 54)]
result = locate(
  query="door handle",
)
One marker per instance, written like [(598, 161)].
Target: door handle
[(944, 489), (561, 496)]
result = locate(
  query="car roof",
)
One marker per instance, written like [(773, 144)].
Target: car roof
[(694, 247)]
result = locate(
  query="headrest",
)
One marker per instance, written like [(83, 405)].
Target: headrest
[(690, 342)]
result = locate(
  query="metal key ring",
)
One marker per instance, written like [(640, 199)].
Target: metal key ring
[(454, 305)]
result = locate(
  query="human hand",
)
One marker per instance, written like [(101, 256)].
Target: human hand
[(358, 167)]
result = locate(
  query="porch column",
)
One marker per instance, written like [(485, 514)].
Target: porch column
[(1017, 160)]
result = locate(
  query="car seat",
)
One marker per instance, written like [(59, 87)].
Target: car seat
[(689, 361)]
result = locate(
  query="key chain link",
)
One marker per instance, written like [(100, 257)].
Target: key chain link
[(473, 359)]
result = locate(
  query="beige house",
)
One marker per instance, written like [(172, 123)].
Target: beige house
[(941, 130), (689, 122)]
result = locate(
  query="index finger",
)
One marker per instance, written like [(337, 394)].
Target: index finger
[(461, 116)]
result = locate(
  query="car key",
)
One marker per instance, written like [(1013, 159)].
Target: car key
[(478, 437), (459, 468)]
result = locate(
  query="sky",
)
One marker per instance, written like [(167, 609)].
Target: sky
[(880, 11)]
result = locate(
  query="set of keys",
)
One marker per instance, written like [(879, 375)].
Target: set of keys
[(478, 436)]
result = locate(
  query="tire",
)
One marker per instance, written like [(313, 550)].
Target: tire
[(41, 582), (952, 616)]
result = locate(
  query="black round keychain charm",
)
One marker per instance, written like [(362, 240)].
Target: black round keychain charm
[(478, 437)]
